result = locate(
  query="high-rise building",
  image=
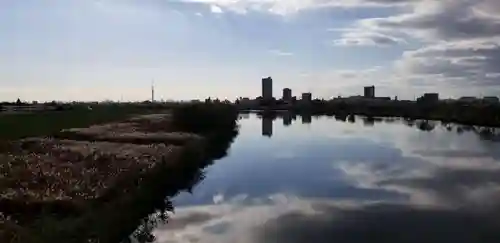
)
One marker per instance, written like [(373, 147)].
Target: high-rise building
[(306, 97), (267, 88), (369, 91), (287, 94)]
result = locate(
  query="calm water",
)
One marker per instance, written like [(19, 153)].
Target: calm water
[(322, 180)]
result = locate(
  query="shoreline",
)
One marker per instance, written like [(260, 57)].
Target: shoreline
[(473, 115)]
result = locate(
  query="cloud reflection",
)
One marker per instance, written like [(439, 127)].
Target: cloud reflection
[(404, 186), (297, 220), (383, 223)]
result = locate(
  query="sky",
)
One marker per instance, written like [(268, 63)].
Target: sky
[(193, 49)]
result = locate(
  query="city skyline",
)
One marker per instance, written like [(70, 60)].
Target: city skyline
[(193, 49)]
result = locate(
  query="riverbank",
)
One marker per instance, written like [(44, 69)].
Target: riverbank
[(479, 114), (76, 186)]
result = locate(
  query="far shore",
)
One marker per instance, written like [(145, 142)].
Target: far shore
[(482, 114)]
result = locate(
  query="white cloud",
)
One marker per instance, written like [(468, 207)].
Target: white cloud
[(216, 9), (284, 7), (444, 20), (236, 220), (459, 41), (219, 198), (358, 37), (280, 53), (473, 62)]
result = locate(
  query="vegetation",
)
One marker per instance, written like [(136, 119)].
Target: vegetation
[(480, 114), (76, 191), (217, 121), (203, 118), (16, 126)]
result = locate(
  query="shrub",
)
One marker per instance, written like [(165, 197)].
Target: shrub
[(205, 117)]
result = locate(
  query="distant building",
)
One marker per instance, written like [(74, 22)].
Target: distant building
[(430, 98), (306, 97), (468, 99), (267, 88), (490, 99), (287, 94), (369, 91), (449, 101), (247, 102)]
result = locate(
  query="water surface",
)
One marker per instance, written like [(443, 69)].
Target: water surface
[(318, 179)]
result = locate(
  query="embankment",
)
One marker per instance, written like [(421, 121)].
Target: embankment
[(98, 187)]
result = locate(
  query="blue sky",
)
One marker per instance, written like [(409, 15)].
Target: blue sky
[(108, 49)]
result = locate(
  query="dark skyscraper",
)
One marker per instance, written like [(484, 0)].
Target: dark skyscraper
[(267, 88)]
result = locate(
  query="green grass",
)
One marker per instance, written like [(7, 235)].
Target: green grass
[(16, 126)]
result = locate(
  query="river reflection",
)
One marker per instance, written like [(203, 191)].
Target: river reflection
[(345, 179)]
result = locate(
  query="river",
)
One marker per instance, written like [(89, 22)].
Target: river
[(321, 179)]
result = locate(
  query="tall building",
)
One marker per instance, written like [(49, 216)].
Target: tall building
[(431, 97), (369, 92), (306, 96), (287, 94), (267, 88)]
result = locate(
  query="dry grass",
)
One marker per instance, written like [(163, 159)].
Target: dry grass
[(43, 169), (69, 170), (174, 138), (145, 129), (144, 123)]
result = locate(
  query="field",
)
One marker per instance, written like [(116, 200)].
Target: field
[(15, 126)]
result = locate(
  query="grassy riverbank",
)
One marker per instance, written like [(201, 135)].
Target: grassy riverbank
[(16, 126), (56, 190)]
